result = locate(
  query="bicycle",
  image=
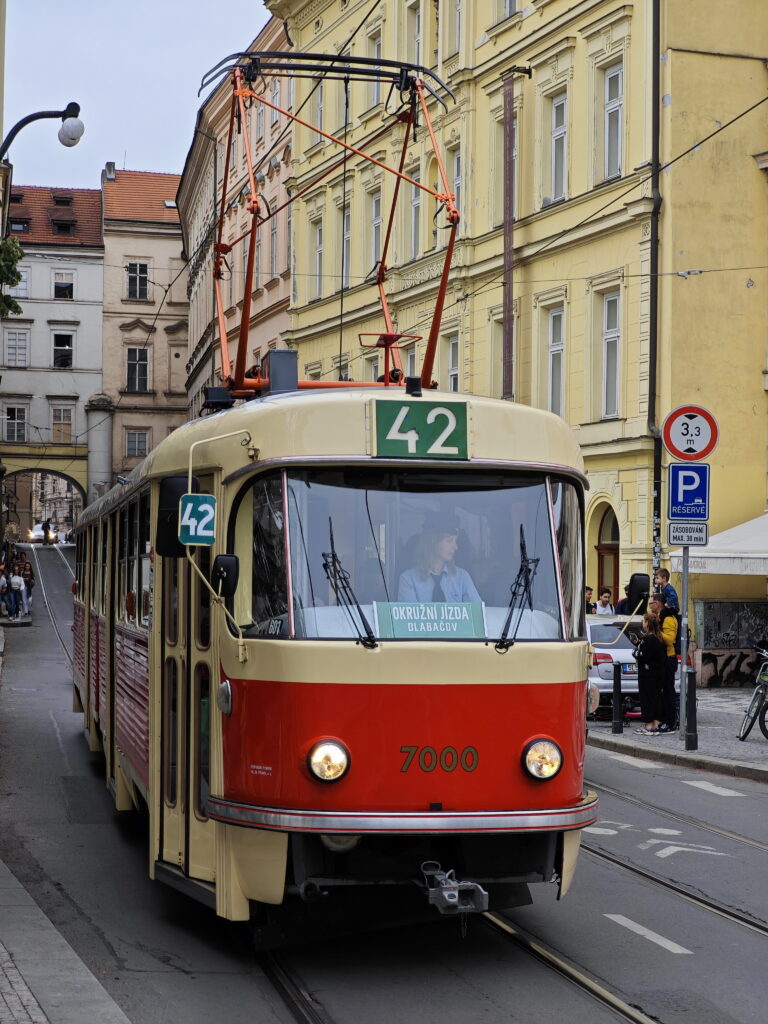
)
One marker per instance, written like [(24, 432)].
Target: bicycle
[(758, 705)]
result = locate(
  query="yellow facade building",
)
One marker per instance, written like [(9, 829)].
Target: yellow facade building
[(635, 281)]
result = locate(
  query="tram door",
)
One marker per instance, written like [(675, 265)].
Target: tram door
[(187, 835)]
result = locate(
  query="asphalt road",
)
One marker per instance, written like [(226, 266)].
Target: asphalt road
[(166, 959)]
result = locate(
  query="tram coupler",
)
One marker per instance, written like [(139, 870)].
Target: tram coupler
[(451, 896)]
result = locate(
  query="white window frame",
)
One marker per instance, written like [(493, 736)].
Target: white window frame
[(275, 100), (21, 290), (415, 216), (613, 116), (317, 248), (60, 411), (273, 246), (18, 436), (62, 334), (556, 360), (456, 177), (346, 242), (372, 368), (413, 30), (610, 350), (453, 358), (136, 433), (57, 277), (142, 350), (375, 47), (257, 260), (138, 275), (259, 120), (377, 221), (14, 338), (319, 106), (559, 146)]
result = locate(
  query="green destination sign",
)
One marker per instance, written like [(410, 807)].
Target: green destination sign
[(421, 429), (419, 620)]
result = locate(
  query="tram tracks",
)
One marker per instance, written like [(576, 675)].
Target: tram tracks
[(40, 580)]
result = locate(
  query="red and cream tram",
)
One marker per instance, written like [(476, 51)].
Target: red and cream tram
[(333, 638), (337, 724)]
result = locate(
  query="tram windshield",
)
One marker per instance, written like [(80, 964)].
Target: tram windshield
[(398, 554)]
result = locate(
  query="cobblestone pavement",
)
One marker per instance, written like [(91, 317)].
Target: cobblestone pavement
[(17, 1004)]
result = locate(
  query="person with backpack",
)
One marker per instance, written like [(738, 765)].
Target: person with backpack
[(670, 629)]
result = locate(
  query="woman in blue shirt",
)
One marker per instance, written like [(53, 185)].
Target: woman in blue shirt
[(436, 577)]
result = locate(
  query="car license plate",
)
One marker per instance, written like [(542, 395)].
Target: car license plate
[(629, 670)]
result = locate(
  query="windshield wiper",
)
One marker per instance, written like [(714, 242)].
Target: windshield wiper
[(339, 579), (522, 594)]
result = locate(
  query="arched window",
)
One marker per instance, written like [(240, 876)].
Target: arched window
[(608, 555)]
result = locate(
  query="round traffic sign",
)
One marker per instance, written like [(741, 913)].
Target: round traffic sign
[(690, 433)]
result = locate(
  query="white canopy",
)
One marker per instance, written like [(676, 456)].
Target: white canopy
[(742, 551)]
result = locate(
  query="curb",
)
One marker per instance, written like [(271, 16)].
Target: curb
[(688, 759)]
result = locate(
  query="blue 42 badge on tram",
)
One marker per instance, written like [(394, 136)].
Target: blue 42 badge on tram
[(197, 519)]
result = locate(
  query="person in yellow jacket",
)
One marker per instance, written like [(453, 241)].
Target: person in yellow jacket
[(669, 627)]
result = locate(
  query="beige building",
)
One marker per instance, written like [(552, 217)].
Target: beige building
[(609, 165), (270, 136), (145, 312)]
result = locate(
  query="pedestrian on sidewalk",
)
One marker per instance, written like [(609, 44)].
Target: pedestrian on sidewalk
[(5, 600), (589, 604), (16, 588), (604, 606), (651, 656), (669, 627), (622, 606), (28, 576)]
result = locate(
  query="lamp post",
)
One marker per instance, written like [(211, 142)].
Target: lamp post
[(70, 132)]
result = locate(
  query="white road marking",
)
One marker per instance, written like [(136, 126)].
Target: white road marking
[(679, 848), (711, 788), (665, 831), (596, 831), (636, 762), (646, 933)]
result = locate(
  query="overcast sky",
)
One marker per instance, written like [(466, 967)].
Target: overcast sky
[(134, 68)]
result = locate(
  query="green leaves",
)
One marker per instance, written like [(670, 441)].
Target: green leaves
[(10, 254)]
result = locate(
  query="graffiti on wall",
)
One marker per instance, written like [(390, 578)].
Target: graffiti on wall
[(727, 633)]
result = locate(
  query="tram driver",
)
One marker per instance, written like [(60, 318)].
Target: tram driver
[(436, 577)]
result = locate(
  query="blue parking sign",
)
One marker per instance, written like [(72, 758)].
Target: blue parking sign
[(688, 491)]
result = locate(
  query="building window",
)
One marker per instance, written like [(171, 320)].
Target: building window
[(257, 260), (275, 100), (413, 31), (372, 368), (138, 280), (556, 376), (17, 226), (346, 241), (63, 227), (452, 346), (61, 424), (317, 238), (559, 146), (16, 348), (233, 150), (611, 339), (64, 284), (63, 346), (375, 228), (374, 50), (410, 361), (453, 28), (15, 423), (319, 108), (614, 102), (137, 379), (456, 166), (21, 290), (508, 8), (273, 247), (415, 217), (136, 443)]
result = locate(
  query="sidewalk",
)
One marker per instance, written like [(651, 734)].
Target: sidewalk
[(42, 979), (719, 715)]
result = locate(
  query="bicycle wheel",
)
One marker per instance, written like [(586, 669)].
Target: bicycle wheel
[(763, 720), (752, 711)]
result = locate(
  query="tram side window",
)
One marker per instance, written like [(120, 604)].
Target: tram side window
[(93, 536), (171, 599), (259, 533), (203, 738), (567, 513), (145, 566), (104, 567), (170, 737), (132, 567), (122, 548), (203, 598), (79, 566)]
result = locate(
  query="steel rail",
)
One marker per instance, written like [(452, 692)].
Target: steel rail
[(302, 1006), (536, 949), (685, 818), (61, 556), (41, 581), (703, 902)]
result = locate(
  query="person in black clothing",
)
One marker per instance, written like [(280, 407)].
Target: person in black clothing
[(670, 625), (622, 606), (589, 604), (651, 655)]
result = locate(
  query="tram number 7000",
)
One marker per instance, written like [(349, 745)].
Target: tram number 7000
[(449, 759)]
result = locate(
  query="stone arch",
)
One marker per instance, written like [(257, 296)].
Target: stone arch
[(603, 547), (22, 505)]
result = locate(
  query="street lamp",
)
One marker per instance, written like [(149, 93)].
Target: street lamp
[(70, 132)]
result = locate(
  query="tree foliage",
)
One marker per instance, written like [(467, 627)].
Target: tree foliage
[(10, 254)]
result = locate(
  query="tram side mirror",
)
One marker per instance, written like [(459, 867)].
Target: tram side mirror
[(225, 574), (639, 592), (167, 534)]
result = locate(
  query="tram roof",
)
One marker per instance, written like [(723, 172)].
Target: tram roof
[(337, 424)]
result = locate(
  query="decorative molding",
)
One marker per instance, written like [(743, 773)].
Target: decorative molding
[(135, 325), (551, 297), (180, 325), (602, 282)]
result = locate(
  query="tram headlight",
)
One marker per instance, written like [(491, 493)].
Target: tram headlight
[(542, 759), (328, 760)]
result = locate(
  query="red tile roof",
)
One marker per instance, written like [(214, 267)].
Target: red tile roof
[(40, 213), (141, 195)]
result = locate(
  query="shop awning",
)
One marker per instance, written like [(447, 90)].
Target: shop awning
[(742, 550)]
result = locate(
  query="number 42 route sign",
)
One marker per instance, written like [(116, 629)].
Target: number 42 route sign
[(690, 433), (197, 519)]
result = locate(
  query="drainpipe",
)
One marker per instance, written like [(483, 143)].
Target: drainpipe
[(653, 322)]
